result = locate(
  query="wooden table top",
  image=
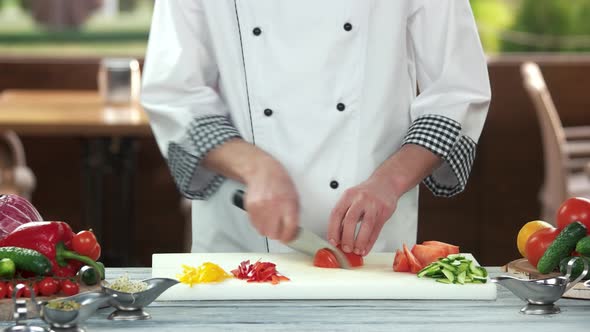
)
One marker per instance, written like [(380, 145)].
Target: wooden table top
[(63, 112), (341, 315)]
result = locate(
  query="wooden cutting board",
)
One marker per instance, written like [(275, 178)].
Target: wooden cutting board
[(7, 306), (375, 280), (523, 269)]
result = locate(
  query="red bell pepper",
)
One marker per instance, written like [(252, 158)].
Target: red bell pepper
[(52, 239)]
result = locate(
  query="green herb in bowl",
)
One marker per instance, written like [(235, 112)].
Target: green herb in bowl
[(63, 305)]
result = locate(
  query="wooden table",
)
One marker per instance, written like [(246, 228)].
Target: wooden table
[(109, 138), (325, 315), (68, 113)]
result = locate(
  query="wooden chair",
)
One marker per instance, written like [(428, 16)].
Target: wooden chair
[(566, 150), (15, 176)]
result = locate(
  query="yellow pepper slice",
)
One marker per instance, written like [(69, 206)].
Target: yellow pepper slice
[(206, 273)]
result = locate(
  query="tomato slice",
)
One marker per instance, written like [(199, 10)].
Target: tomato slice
[(428, 254), (415, 265), (325, 258), (400, 262), (353, 259), (450, 248)]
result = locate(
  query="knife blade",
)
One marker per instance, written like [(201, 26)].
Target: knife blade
[(305, 241)]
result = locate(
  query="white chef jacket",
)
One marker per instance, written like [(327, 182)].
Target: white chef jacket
[(327, 87)]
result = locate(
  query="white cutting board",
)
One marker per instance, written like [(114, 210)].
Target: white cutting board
[(375, 280)]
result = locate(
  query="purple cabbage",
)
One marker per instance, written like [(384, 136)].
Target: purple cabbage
[(15, 211)]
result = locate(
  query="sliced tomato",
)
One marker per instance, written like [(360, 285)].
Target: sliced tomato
[(353, 259), (415, 265), (325, 258), (400, 262), (428, 254), (450, 248)]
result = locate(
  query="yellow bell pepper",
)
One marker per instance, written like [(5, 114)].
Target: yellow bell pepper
[(206, 273)]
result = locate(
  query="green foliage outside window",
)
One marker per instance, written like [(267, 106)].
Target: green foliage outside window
[(492, 16), (549, 26)]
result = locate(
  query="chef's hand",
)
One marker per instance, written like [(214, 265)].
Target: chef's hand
[(371, 203), (271, 201)]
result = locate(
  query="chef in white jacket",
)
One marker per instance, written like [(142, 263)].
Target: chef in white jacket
[(328, 112)]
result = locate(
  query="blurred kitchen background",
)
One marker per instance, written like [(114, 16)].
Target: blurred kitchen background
[(114, 179)]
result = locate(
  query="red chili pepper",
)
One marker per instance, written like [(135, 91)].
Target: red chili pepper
[(258, 272), (52, 239)]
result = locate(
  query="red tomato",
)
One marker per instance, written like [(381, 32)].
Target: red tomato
[(415, 265), (574, 209), (69, 287), (10, 288), (95, 254), (84, 243), (353, 259), (428, 254), (27, 290), (325, 258), (539, 242), (450, 248), (400, 262), (3, 290), (48, 286)]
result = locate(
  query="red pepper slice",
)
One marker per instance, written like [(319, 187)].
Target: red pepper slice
[(258, 272)]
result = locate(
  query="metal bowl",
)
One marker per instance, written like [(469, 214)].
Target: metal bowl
[(70, 319), (130, 305), (541, 294)]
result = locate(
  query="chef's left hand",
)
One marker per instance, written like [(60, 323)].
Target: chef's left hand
[(371, 203)]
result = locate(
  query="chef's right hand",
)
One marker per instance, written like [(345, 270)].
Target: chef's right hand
[(272, 201)]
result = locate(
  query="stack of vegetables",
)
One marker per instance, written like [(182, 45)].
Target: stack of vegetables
[(549, 248), (45, 255)]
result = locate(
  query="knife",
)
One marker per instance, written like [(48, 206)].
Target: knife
[(305, 241)]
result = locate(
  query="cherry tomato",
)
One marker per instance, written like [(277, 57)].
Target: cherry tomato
[(84, 243), (69, 287), (574, 209), (10, 287), (538, 243), (325, 258), (48, 286), (27, 290), (3, 290), (353, 259)]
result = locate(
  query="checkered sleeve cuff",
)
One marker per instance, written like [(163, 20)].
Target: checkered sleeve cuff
[(442, 136), (184, 158)]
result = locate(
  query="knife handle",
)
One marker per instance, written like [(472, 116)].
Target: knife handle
[(238, 199)]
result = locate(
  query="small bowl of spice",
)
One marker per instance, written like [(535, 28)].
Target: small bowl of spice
[(61, 312), (129, 297), (70, 311)]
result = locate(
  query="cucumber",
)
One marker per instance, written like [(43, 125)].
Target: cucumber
[(89, 276), (583, 246), (27, 260), (561, 247), (576, 269), (454, 269)]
